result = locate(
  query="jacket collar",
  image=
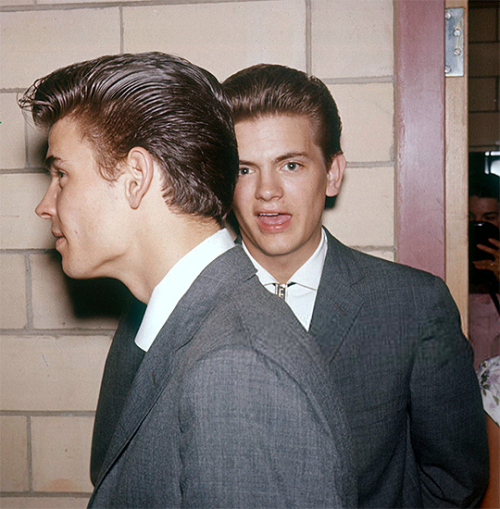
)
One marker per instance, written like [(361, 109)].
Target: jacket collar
[(219, 278), (337, 302)]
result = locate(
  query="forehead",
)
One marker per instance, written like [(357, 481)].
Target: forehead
[(275, 133), (483, 205), (67, 143)]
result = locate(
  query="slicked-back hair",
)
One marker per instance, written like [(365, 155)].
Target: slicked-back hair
[(170, 107), (267, 89)]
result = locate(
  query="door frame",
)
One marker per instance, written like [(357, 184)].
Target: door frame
[(432, 147)]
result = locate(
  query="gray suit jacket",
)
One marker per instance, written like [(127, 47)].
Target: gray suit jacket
[(396, 351), (231, 407)]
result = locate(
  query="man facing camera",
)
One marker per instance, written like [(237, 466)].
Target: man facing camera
[(231, 405), (390, 333)]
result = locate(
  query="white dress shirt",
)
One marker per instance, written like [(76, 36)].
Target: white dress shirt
[(301, 295), (169, 291)]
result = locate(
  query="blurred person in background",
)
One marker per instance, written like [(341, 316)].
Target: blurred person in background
[(484, 251), (489, 381)]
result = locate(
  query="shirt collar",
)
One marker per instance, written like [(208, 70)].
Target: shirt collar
[(308, 275), (169, 291)]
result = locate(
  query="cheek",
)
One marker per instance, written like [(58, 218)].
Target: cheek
[(241, 197), (318, 192), (78, 215), (314, 204), (64, 208)]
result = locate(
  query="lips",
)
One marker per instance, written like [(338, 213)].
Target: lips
[(60, 239), (273, 221)]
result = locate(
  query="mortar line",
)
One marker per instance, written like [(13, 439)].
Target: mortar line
[(18, 171), (109, 4), (370, 164), (122, 31), (362, 80), (45, 494), (496, 24), (29, 291), (27, 162), (9, 251), (30, 453), (47, 413), (12, 90), (56, 333), (308, 36)]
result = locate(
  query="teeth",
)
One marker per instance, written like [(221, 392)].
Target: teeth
[(270, 214)]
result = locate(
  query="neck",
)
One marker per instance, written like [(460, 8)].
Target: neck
[(282, 266), (158, 253)]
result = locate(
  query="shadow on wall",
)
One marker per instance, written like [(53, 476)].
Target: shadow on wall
[(39, 147), (95, 298)]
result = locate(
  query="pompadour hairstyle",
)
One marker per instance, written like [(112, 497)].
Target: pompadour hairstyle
[(267, 89), (170, 107)]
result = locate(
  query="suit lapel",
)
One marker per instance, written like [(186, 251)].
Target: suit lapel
[(124, 359), (337, 303), (219, 278)]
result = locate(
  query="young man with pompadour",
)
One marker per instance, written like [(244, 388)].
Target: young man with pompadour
[(390, 333), (230, 405)]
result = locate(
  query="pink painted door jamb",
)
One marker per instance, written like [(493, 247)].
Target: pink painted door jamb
[(420, 131)]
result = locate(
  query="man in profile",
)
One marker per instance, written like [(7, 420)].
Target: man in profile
[(231, 405), (390, 333)]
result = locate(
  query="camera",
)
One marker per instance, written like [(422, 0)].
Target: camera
[(479, 233)]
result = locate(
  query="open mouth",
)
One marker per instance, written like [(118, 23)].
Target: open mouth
[(273, 220)]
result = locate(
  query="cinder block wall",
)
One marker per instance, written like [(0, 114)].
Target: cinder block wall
[(484, 77), (55, 332)]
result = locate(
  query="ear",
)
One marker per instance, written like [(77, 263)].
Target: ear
[(139, 169), (335, 174)]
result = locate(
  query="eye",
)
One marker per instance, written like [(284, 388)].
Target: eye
[(56, 174), (244, 171), (292, 166), (59, 176)]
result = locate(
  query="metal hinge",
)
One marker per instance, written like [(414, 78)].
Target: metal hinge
[(454, 42)]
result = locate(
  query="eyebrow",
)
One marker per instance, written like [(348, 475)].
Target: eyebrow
[(50, 160), (291, 155), (279, 159)]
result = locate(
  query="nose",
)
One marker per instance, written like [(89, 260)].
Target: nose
[(46, 209), (269, 186)]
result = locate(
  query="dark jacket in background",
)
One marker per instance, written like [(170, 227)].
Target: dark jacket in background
[(392, 337)]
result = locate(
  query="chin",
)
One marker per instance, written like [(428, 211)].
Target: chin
[(73, 274), (280, 247), (75, 270)]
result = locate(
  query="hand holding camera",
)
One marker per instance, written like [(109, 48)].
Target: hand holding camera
[(484, 248)]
